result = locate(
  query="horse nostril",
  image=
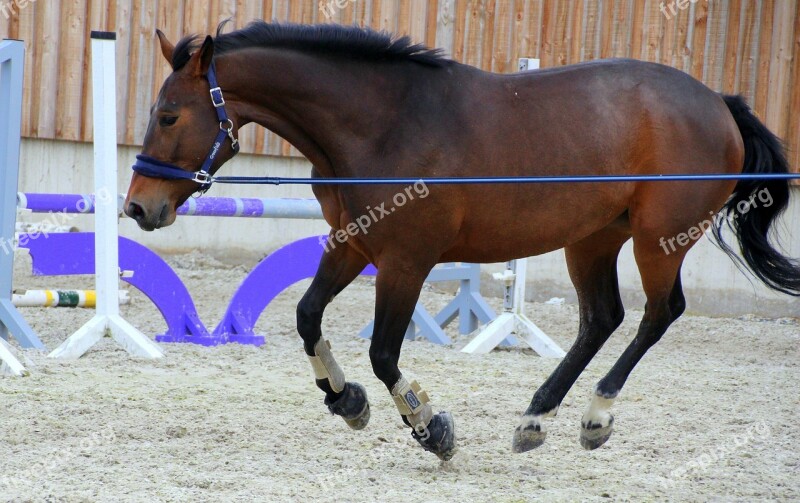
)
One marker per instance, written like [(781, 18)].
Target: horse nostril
[(135, 211)]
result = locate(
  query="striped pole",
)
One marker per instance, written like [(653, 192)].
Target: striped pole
[(62, 298), (307, 209)]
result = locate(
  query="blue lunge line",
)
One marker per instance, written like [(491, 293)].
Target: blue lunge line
[(245, 180)]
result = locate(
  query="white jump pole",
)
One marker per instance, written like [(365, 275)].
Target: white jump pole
[(513, 319), (107, 320)]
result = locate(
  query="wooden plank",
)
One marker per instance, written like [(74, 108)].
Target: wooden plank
[(488, 21), (793, 135), (715, 55), (296, 11), (96, 19), (70, 71), (348, 15), (46, 55), (362, 12), (474, 28), (590, 28), (445, 26), (418, 21), (195, 18), (764, 60), (576, 34), (431, 21), (520, 31), (247, 11), (562, 32), (460, 30), (684, 31), (668, 43), (637, 29), (732, 62), (21, 27), (607, 28), (309, 10), (142, 66), (547, 52), (746, 82), (780, 68), (124, 24), (267, 10), (403, 17), (699, 38), (654, 31), (227, 10), (502, 46), (623, 36), (536, 16)]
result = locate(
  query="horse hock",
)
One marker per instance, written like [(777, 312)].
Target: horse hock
[(435, 433), (351, 402)]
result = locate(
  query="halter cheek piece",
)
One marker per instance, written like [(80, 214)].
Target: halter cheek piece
[(153, 168)]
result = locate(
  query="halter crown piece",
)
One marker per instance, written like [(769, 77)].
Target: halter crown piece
[(153, 168)]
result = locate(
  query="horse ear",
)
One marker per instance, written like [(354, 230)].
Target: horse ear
[(201, 60), (167, 49)]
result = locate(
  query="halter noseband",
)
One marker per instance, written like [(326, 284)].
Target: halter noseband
[(153, 168)]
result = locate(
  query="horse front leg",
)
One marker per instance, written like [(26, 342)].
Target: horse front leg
[(398, 287), (337, 269)]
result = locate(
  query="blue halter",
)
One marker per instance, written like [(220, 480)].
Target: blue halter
[(153, 168)]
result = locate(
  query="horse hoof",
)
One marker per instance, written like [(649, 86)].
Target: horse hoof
[(593, 435), (440, 438), (529, 435), (352, 405)]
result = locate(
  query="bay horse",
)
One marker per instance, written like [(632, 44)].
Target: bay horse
[(359, 103)]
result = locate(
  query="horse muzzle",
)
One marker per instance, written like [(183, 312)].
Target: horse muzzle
[(152, 218)]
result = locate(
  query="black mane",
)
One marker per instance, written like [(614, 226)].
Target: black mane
[(348, 41)]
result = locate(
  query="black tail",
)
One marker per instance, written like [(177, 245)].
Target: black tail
[(751, 222)]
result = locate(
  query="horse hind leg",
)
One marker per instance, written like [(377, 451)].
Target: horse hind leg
[(337, 269), (592, 266), (665, 304)]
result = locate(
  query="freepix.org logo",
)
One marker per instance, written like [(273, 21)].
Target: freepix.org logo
[(361, 225), (12, 7)]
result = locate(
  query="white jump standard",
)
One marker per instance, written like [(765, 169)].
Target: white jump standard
[(513, 319), (107, 320)]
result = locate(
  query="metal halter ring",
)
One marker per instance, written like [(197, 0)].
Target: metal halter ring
[(229, 130)]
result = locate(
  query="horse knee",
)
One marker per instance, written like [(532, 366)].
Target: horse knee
[(309, 320)]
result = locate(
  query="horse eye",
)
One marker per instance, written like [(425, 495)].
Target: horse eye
[(167, 121)]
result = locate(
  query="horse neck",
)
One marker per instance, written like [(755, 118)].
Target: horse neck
[(328, 108)]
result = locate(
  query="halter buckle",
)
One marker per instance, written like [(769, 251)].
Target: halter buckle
[(202, 177), (216, 97)]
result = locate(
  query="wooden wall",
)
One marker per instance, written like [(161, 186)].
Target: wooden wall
[(751, 47)]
